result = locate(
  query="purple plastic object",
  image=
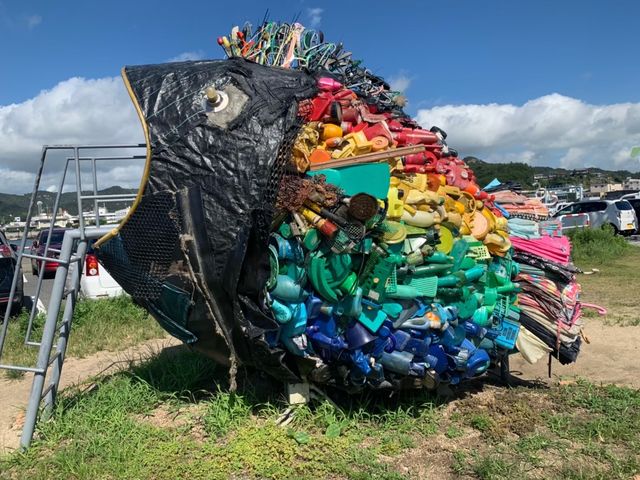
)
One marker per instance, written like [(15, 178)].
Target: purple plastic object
[(358, 336)]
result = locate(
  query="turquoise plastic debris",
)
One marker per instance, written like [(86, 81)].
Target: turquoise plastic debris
[(426, 286), (294, 329), (372, 316), (372, 178)]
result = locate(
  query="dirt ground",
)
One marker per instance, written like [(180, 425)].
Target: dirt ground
[(14, 394), (610, 357)]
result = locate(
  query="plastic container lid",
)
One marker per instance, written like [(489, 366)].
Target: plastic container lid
[(480, 226), (446, 240)]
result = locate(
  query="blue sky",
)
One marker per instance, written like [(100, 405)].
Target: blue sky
[(454, 51), (490, 63)]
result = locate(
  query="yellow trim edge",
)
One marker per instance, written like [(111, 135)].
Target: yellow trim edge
[(147, 165)]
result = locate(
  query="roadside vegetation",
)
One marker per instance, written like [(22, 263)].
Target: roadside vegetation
[(597, 246), (106, 324), (617, 280), (174, 417)]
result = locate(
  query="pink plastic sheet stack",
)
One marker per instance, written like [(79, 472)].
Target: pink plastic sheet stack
[(519, 205), (555, 249), (549, 300)]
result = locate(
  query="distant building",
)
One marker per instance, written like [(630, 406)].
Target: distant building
[(605, 187), (632, 184), (541, 176)]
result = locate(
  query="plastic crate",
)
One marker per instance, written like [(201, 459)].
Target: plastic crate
[(506, 334)]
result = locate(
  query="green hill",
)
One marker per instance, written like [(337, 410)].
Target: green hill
[(526, 175), (17, 205), (529, 176)]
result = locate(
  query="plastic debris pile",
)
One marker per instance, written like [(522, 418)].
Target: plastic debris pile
[(549, 299), (549, 305), (390, 267), (524, 207)]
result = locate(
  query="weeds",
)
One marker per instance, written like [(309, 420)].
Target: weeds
[(613, 287), (225, 411), (215, 433), (106, 324), (574, 431), (596, 246)]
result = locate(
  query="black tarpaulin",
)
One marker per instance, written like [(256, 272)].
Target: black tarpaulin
[(207, 201)]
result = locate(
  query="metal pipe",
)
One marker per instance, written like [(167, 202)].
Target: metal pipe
[(18, 368), (89, 147), (41, 271), (53, 357), (49, 329), (106, 196), (76, 155), (44, 259), (122, 157), (95, 192), (23, 243), (54, 250), (114, 200), (65, 328), (48, 333)]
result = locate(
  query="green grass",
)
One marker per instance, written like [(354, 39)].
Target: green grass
[(174, 417), (106, 324), (613, 287), (597, 246)]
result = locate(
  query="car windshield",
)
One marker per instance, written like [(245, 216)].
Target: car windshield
[(564, 211), (623, 205), (56, 237)]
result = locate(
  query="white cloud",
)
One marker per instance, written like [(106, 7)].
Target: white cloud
[(551, 130), (76, 111), (315, 16), (33, 21), (187, 56), (400, 82)]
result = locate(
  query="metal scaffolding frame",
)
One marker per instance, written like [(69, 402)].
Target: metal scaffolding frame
[(75, 243)]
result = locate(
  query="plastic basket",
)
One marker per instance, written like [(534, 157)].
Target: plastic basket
[(506, 334)]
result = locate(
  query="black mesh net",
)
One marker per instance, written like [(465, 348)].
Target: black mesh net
[(139, 259), (278, 169)]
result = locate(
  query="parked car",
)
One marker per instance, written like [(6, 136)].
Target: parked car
[(554, 208), (39, 243), (96, 282), (635, 204), (618, 214), (631, 196), (8, 265)]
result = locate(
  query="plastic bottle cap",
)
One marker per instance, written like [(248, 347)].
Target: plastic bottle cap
[(446, 240), (396, 232), (212, 94), (379, 143), (330, 131), (328, 228), (333, 142), (349, 284)]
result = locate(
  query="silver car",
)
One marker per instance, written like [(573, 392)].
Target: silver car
[(618, 214)]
